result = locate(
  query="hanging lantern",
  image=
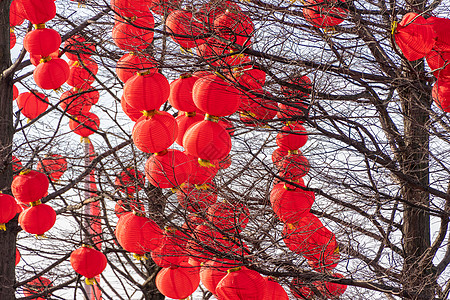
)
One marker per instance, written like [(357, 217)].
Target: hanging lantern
[(125, 206), (213, 52), (208, 141), (227, 125), (155, 132), (55, 165), (257, 110), (130, 180), (324, 13), (196, 200), (200, 175), (252, 78), (414, 36), (131, 63), (293, 166), (77, 48), (178, 282), (146, 91), (215, 96), (438, 60), (42, 41), (296, 236), (278, 156), (235, 27), (184, 121), (131, 112), (205, 237), (211, 273), (168, 169), (85, 125), (300, 290), (292, 137), (78, 101), (274, 290), (29, 186), (441, 95), (18, 257), (181, 93), (241, 283), (12, 38), (38, 286), (51, 73), (88, 262), (37, 219), (130, 8), (229, 217), (440, 27), (302, 82), (182, 22), (38, 11), (16, 16), (135, 36), (82, 73), (15, 92), (164, 7), (36, 59), (332, 290), (322, 246), (290, 204), (7, 209), (171, 252), (32, 104)]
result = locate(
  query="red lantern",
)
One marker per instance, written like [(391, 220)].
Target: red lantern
[(16, 164), (438, 60), (205, 235), (300, 290), (130, 8), (292, 137), (213, 52), (82, 73), (131, 63), (135, 36), (29, 186), (228, 125), (88, 262), (85, 125), (182, 22), (332, 290), (414, 36), (302, 82), (274, 290), (146, 91), (125, 206), (322, 246), (130, 180), (178, 282), (441, 95), (257, 110), (228, 216), (155, 132), (7, 209), (293, 166), (241, 283), (78, 101), (200, 175), (55, 165), (131, 112), (38, 286), (15, 92), (164, 7), (18, 257), (168, 169), (171, 253), (43, 41), (16, 16), (37, 219), (36, 59), (278, 156), (290, 204), (211, 273), (440, 27), (32, 104), (296, 236), (12, 38), (38, 11), (208, 141), (184, 121), (215, 96), (78, 48), (324, 13), (196, 200), (138, 234), (234, 27), (181, 93), (253, 78), (51, 73)]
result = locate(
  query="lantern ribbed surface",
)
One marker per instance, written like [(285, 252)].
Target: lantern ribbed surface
[(441, 95), (131, 112), (242, 284), (181, 93), (7, 209), (131, 63), (42, 41), (274, 290), (294, 166), (296, 236), (146, 92), (290, 205), (182, 22), (135, 36), (32, 104), (78, 48), (38, 11), (88, 262), (85, 124), (211, 273), (292, 137), (178, 283), (37, 219), (228, 216), (184, 122), (55, 165), (196, 200), (234, 27), (201, 175), (52, 74), (30, 186)]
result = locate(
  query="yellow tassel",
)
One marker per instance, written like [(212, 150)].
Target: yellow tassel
[(205, 163), (288, 188), (336, 251), (87, 246), (233, 270), (39, 26), (394, 27), (220, 75), (185, 75), (211, 118), (190, 114), (177, 188), (58, 90), (3, 226), (90, 281), (139, 257), (144, 73), (170, 229), (45, 59), (161, 153), (40, 236), (329, 30), (11, 29), (35, 203), (28, 120), (204, 186), (185, 50), (290, 226), (76, 64), (85, 140), (150, 113), (25, 172), (293, 151)]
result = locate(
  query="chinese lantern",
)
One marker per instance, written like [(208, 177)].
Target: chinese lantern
[(438, 60), (130, 180), (171, 252), (200, 175), (184, 121), (37, 219), (155, 131), (76, 48), (321, 246), (55, 165), (7, 209), (78, 101), (146, 91), (215, 96), (294, 166), (125, 206), (296, 236), (252, 78), (256, 110), (130, 8), (441, 95), (82, 73), (228, 216), (196, 200), (290, 204), (234, 27), (12, 38), (88, 262), (162, 7), (332, 290), (38, 286), (241, 283), (85, 125), (138, 234), (42, 41), (300, 290), (131, 63), (168, 169), (131, 112), (18, 257), (51, 73), (16, 16), (302, 82), (211, 273), (178, 282), (182, 22), (213, 52), (32, 104), (414, 36), (15, 92), (274, 290), (205, 235), (292, 137), (38, 11), (278, 156), (135, 36), (208, 141), (181, 93), (323, 13), (29, 186), (440, 27)]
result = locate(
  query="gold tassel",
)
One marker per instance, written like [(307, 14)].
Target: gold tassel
[(233, 270), (39, 26), (40, 236), (211, 118), (394, 27), (25, 172), (45, 59), (3, 226), (190, 114), (161, 153), (139, 257), (90, 281), (293, 151), (177, 188), (150, 113), (35, 203), (85, 140), (28, 120), (205, 163)]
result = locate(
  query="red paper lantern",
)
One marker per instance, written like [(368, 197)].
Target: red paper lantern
[(51, 73), (18, 257), (168, 169), (29, 186), (228, 216), (78, 101), (130, 180), (184, 121), (32, 104), (88, 262), (332, 290), (16, 16), (300, 290), (135, 36), (302, 82), (215, 96), (178, 282), (42, 41), (181, 93), (208, 141), (37, 219), (414, 36), (235, 27), (205, 237), (293, 166), (171, 253), (292, 111), (274, 290), (292, 137), (296, 236), (77, 48), (125, 206), (324, 13), (211, 273), (131, 63), (196, 200), (155, 132), (438, 60), (15, 92), (182, 22), (164, 7), (38, 11), (252, 78), (38, 286), (278, 155), (85, 125), (200, 175), (138, 234), (16, 164), (55, 165), (228, 125), (322, 246), (213, 52), (12, 38), (130, 8), (440, 26), (7, 209), (146, 91), (290, 204), (257, 110), (82, 73), (241, 283), (441, 94)]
